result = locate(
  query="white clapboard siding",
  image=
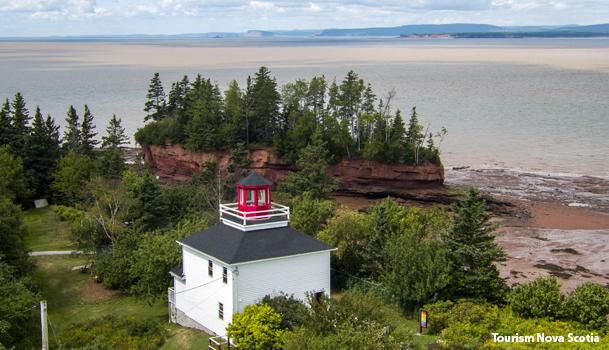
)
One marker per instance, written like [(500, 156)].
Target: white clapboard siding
[(293, 275), (199, 296)]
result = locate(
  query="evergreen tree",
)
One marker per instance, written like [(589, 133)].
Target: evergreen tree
[(264, 106), (233, 107), (351, 91), (414, 135), (87, 134), (111, 160), (155, 105), (204, 109), (152, 201), (115, 134), (43, 154), (6, 129), (474, 252), (20, 125), (177, 97), (312, 176), (71, 138), (316, 99), (397, 135), (247, 109)]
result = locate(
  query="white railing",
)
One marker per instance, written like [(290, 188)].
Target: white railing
[(171, 303), (276, 216), (219, 343)]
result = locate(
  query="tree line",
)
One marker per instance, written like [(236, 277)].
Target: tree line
[(51, 160), (347, 115)]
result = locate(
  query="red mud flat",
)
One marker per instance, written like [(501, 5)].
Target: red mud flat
[(569, 243)]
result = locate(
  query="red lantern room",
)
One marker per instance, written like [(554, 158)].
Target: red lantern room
[(254, 195)]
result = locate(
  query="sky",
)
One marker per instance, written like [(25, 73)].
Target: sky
[(109, 17)]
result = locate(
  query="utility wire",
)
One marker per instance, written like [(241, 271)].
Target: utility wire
[(202, 285), (53, 331), (19, 314)]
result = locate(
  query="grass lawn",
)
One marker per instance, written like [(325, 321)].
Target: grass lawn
[(45, 231), (73, 298)]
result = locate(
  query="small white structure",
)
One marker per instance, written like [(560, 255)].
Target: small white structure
[(251, 253)]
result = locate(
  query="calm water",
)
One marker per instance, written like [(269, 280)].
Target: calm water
[(529, 117)]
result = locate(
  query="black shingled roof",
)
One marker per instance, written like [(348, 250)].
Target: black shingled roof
[(254, 179), (232, 246)]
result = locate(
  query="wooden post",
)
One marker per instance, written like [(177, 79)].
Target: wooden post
[(43, 325)]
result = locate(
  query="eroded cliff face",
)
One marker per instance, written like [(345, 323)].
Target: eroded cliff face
[(175, 164)]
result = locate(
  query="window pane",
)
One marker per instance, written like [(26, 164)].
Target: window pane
[(261, 197), (220, 311), (250, 197), (210, 268)]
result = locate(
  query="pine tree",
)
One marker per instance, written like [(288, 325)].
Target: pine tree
[(312, 177), (397, 135), (6, 129), (87, 134), (316, 99), (155, 105), (414, 135), (247, 109), (177, 96), (20, 125), (233, 107), (154, 206), (265, 100), (43, 154), (111, 160), (71, 138), (204, 109), (115, 134), (474, 252)]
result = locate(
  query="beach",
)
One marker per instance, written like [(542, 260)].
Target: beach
[(94, 54)]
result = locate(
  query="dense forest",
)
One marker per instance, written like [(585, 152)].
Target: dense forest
[(347, 116)]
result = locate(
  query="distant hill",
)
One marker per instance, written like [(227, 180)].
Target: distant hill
[(413, 29), (595, 28)]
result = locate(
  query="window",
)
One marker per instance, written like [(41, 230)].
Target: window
[(210, 268), (261, 197), (250, 197), (224, 275), (221, 311)]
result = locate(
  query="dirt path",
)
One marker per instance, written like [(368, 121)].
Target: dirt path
[(55, 252)]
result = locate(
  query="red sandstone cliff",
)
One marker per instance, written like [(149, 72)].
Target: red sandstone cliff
[(174, 164)]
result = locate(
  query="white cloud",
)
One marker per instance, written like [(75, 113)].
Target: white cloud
[(313, 7), (172, 16)]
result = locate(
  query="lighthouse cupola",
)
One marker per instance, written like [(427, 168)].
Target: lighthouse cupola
[(254, 194), (254, 209)]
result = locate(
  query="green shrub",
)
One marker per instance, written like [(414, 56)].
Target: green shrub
[(68, 214), (293, 311), (115, 333), (310, 215), (539, 298), (258, 327), (159, 133), (438, 314), (588, 304)]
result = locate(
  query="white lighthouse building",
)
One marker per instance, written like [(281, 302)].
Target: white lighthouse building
[(251, 253)]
